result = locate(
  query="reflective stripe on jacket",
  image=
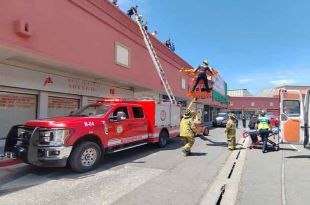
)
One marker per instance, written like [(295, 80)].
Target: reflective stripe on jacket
[(231, 128), (187, 128), (263, 123)]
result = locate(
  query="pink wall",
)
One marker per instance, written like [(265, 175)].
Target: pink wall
[(82, 33), (261, 103)]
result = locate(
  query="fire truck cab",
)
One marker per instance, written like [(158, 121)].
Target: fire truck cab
[(82, 138), (294, 116)]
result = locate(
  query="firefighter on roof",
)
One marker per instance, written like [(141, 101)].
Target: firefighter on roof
[(202, 76), (231, 132), (187, 131)]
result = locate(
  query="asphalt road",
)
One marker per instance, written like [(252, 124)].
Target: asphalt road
[(144, 175), (149, 175)]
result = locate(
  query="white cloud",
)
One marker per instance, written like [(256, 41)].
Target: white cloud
[(282, 81), (244, 80)]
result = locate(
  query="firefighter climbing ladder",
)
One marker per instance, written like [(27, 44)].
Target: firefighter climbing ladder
[(155, 60)]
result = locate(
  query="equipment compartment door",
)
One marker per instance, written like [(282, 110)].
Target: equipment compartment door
[(162, 115), (292, 117)]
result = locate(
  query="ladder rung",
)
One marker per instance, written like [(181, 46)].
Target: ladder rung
[(156, 61)]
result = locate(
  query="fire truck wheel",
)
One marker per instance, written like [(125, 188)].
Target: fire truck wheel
[(163, 137), (85, 157), (206, 131)]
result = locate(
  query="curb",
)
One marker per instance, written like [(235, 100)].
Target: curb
[(9, 162)]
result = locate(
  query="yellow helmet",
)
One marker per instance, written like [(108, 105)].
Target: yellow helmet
[(187, 113), (205, 62), (231, 115)]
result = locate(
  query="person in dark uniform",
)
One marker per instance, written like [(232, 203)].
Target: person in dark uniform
[(168, 43), (237, 123), (251, 126), (145, 25), (133, 10), (202, 69), (114, 2), (244, 120)]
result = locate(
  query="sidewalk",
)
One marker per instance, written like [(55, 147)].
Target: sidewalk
[(276, 177)]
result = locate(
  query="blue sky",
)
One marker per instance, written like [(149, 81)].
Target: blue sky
[(254, 44)]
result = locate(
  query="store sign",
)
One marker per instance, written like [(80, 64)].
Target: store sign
[(219, 85), (29, 79)]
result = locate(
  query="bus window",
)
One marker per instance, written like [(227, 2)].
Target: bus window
[(291, 108)]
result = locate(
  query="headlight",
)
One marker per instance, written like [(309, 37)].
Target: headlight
[(54, 137)]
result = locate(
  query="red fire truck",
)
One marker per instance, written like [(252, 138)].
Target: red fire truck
[(82, 138)]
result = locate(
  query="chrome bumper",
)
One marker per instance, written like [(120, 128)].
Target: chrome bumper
[(54, 153)]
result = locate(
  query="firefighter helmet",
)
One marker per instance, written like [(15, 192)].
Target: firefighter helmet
[(232, 116), (188, 113), (205, 62), (262, 112)]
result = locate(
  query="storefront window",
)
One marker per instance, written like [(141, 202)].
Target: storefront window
[(58, 106), (16, 109)]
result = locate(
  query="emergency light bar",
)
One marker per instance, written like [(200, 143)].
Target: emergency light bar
[(132, 99)]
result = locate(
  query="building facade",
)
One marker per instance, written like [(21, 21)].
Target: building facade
[(239, 93), (252, 105), (274, 92), (57, 56)]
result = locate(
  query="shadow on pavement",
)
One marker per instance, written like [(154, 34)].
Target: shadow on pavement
[(213, 143), (204, 138), (299, 157), (193, 154), (288, 149), (108, 162)]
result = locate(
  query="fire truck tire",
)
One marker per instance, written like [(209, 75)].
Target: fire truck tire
[(163, 138), (85, 157)]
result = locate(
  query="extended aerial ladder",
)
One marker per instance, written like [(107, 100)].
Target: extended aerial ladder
[(155, 60)]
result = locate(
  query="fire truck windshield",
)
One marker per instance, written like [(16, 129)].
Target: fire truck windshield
[(92, 111)]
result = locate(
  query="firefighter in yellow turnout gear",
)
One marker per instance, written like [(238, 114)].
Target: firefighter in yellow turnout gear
[(187, 131), (231, 132)]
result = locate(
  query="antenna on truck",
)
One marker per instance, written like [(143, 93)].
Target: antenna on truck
[(155, 60)]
